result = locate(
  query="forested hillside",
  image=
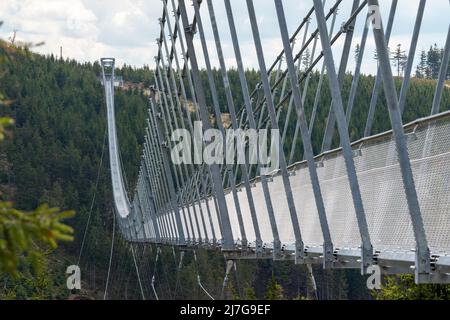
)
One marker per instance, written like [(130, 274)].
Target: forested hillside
[(55, 149), (56, 154)]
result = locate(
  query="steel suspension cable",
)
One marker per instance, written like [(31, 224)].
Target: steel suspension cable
[(198, 277), (229, 266), (158, 249), (238, 283), (178, 282), (137, 272), (316, 98), (110, 256), (93, 197)]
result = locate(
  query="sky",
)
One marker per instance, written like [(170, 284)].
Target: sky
[(127, 29)]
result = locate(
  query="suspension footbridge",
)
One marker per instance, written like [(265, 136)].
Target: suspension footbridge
[(382, 199)]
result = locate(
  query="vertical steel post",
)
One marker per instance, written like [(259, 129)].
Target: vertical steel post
[(152, 166), (187, 74), (329, 129), (154, 153), (214, 94), (151, 151), (152, 212), (165, 158), (235, 125), (308, 150), (376, 87), (165, 119), (411, 56), (180, 113), (442, 76), (366, 246), (357, 75), (252, 125), (422, 269), (142, 207), (299, 246), (316, 99), (227, 233), (283, 90), (188, 211)]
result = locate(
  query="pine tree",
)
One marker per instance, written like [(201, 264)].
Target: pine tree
[(404, 288), (250, 294), (421, 69), (434, 58), (306, 59), (399, 59), (357, 52), (274, 290), (22, 234)]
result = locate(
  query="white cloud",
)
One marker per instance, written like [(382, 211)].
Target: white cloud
[(127, 29)]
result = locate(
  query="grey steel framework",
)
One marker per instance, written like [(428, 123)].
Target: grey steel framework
[(382, 200)]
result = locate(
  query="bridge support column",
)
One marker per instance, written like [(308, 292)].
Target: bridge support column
[(229, 266), (442, 76), (331, 122), (366, 246), (306, 139), (376, 88), (252, 124), (173, 198), (299, 252), (227, 233), (311, 288), (422, 263)]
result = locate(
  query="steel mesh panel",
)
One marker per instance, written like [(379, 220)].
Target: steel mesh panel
[(384, 197), (382, 191), (215, 218), (306, 208), (191, 223), (199, 221), (148, 230), (184, 222), (194, 233), (168, 224), (233, 216), (159, 226), (383, 194), (262, 214), (338, 203), (172, 219), (281, 211), (165, 226), (246, 216), (433, 183), (153, 230), (207, 220)]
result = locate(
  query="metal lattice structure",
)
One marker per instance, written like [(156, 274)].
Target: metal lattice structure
[(383, 199)]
